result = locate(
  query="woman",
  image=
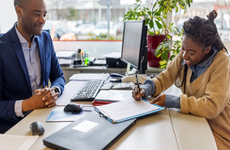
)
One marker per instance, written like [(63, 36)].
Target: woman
[(203, 71)]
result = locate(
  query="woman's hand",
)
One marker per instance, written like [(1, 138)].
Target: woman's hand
[(160, 100), (137, 95)]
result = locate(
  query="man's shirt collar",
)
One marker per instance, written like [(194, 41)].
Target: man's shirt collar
[(21, 38)]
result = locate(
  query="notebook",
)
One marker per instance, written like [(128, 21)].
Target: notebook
[(126, 110), (89, 132)]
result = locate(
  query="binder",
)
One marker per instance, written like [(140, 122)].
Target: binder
[(90, 132), (126, 110)]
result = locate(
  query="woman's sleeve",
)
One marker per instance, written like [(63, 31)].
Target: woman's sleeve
[(167, 77)]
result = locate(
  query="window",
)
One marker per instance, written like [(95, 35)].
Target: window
[(96, 12)]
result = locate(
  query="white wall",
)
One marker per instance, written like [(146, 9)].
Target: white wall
[(7, 15)]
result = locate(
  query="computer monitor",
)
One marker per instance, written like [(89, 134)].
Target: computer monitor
[(134, 49)]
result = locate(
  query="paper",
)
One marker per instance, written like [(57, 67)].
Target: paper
[(85, 126), (126, 109), (58, 114), (112, 55), (17, 142), (124, 86), (70, 89), (114, 95), (89, 76), (66, 54)]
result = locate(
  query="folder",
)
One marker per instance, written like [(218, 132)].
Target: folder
[(89, 132), (126, 110), (99, 103)]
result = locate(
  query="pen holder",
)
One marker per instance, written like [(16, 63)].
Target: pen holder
[(77, 62)]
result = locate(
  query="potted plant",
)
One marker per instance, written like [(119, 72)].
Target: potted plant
[(160, 43)]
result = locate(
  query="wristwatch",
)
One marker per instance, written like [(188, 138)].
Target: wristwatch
[(56, 90)]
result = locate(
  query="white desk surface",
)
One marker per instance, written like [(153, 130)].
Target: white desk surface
[(192, 132), (167, 129)]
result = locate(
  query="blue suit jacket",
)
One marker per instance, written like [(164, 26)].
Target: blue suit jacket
[(14, 76)]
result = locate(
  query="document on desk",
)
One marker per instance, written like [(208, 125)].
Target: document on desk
[(122, 111), (19, 142), (114, 95), (89, 76)]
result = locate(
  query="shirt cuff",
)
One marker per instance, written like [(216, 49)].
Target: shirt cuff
[(149, 87), (172, 101), (18, 108)]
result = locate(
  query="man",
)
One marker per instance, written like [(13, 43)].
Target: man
[(27, 62)]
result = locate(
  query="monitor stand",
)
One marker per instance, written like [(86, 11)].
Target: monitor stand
[(132, 72), (127, 69)]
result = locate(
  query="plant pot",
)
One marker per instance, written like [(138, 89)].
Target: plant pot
[(153, 41)]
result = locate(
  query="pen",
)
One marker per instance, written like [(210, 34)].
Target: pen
[(137, 83)]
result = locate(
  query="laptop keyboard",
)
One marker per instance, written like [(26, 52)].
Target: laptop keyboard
[(88, 91)]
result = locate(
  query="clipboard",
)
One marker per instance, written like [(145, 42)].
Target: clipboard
[(107, 111)]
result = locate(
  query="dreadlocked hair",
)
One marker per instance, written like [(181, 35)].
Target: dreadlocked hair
[(203, 32)]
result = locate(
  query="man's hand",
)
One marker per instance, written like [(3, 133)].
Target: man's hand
[(35, 101), (160, 100), (137, 95), (50, 98)]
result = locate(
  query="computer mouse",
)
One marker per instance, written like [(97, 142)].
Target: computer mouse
[(37, 128), (72, 107), (116, 75)]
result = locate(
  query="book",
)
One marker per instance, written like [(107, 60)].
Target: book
[(110, 96), (126, 110)]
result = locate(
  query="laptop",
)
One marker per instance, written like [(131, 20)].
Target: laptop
[(90, 132)]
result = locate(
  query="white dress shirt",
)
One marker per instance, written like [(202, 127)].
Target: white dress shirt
[(32, 59)]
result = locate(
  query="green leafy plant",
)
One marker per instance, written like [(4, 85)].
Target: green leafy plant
[(156, 20), (165, 48)]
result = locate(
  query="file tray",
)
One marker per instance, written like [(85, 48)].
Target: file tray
[(91, 132)]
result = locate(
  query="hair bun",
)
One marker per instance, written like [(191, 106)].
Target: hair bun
[(212, 15)]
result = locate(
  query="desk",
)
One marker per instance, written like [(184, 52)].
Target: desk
[(69, 71), (165, 130)]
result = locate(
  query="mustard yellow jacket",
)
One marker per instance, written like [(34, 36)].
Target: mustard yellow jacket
[(208, 96)]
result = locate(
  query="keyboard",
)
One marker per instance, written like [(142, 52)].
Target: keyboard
[(88, 91)]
